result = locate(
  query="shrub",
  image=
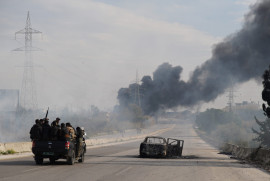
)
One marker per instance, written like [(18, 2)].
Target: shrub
[(11, 151)]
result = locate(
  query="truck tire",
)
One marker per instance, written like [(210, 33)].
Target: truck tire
[(71, 160), (81, 160), (39, 160)]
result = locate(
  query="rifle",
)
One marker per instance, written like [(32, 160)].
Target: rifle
[(46, 114)]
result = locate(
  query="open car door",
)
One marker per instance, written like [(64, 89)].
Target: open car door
[(175, 147)]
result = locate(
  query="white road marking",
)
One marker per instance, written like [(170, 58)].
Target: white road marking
[(31, 169), (123, 171)]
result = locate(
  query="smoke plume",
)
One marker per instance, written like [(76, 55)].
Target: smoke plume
[(240, 57)]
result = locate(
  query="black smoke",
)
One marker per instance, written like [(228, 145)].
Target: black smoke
[(240, 57)]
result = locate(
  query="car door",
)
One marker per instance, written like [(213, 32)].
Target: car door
[(175, 147)]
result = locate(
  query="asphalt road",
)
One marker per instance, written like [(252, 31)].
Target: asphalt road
[(121, 162)]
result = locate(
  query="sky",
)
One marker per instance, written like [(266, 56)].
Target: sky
[(91, 48)]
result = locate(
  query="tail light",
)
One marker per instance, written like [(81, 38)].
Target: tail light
[(33, 144), (67, 145)]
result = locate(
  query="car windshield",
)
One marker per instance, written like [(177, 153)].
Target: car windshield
[(155, 140)]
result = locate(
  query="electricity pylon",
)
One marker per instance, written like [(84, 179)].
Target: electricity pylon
[(137, 91), (28, 97), (231, 98)]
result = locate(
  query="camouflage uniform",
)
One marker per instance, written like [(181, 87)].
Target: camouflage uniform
[(79, 141), (71, 131)]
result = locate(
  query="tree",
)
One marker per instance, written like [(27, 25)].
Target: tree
[(263, 135)]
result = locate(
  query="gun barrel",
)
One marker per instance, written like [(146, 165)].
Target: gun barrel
[(47, 113)]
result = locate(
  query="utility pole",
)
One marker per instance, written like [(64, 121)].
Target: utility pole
[(28, 98)]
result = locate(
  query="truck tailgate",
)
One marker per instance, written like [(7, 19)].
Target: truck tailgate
[(49, 147)]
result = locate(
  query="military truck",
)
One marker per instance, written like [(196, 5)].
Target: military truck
[(55, 150)]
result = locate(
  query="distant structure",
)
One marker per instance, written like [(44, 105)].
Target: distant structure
[(247, 105), (137, 91), (231, 99), (28, 97)]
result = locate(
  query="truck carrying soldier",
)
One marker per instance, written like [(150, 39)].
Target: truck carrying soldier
[(55, 143), (67, 147)]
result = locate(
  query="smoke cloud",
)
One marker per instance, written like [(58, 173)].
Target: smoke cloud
[(240, 57)]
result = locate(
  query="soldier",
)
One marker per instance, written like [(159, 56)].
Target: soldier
[(71, 131), (64, 134), (36, 131), (55, 131), (79, 140), (42, 121), (56, 121), (46, 130)]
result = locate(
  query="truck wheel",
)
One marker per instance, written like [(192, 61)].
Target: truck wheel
[(52, 161), (81, 160), (39, 160), (71, 160)]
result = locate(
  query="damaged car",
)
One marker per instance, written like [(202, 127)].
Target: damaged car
[(155, 146)]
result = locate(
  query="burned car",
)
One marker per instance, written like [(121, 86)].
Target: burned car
[(155, 146)]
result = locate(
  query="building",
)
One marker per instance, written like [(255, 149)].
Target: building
[(244, 106)]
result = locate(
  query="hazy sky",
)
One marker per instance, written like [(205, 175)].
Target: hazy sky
[(92, 48)]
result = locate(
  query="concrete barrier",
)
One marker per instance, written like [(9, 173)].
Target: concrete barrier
[(260, 155), (246, 153), (17, 147), (239, 152), (2, 147)]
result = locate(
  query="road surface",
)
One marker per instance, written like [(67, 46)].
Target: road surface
[(201, 162)]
